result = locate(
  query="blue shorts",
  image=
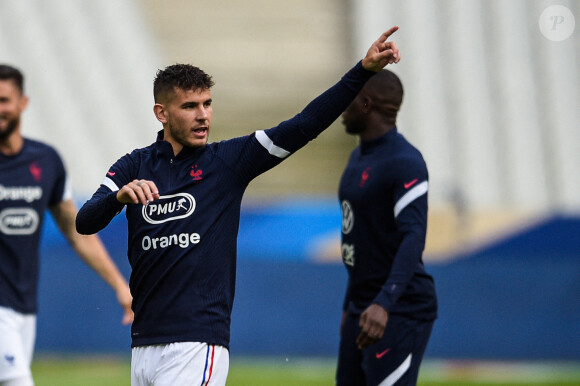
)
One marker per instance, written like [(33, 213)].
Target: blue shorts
[(393, 360)]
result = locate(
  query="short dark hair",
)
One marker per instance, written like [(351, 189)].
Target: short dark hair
[(182, 76), (386, 90), (12, 73), (387, 87)]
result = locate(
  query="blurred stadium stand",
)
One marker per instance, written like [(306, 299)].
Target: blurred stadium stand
[(88, 68), (515, 298), (490, 101)]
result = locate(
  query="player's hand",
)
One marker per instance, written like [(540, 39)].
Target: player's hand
[(382, 52), (125, 299), (138, 191), (373, 322)]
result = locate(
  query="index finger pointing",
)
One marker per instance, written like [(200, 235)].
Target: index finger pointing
[(388, 33)]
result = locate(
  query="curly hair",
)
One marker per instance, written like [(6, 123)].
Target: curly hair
[(182, 76), (11, 73)]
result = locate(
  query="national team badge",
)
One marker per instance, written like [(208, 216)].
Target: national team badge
[(196, 173), (364, 177), (35, 171)]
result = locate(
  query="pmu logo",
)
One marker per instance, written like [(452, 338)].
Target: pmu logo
[(169, 208), (18, 221)]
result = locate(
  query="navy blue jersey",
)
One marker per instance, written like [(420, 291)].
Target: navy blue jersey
[(182, 247), (383, 195), (30, 182)]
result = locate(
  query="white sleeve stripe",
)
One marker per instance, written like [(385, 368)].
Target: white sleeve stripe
[(398, 373), (410, 196), (110, 184), (265, 141), (68, 190)]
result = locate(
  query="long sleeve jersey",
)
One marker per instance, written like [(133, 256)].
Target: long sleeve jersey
[(30, 182), (383, 196), (182, 247)]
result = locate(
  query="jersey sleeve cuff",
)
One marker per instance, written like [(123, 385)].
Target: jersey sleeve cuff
[(384, 300)]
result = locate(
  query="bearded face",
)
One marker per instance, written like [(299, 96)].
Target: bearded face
[(8, 125), (353, 119), (12, 104)]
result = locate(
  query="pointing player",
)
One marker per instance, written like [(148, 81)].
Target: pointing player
[(390, 301), (33, 179), (183, 199)]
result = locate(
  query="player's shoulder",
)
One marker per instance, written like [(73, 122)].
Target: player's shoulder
[(39, 148), (406, 150), (37, 144), (142, 152), (229, 147), (229, 142), (406, 160)]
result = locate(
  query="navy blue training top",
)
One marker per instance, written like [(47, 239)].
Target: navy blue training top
[(383, 196), (182, 247), (30, 182)]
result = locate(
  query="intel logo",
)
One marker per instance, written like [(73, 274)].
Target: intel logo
[(169, 208)]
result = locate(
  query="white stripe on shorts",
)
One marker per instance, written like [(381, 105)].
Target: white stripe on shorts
[(398, 373)]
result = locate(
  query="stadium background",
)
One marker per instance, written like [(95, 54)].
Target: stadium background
[(490, 101)]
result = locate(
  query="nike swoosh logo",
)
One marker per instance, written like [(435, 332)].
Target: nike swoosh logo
[(111, 173), (379, 355), (409, 184)]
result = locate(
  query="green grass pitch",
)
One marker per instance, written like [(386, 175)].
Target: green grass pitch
[(84, 370)]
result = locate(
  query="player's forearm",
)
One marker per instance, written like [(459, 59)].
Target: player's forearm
[(89, 248), (404, 267), (92, 251), (98, 212), (321, 112), (346, 301)]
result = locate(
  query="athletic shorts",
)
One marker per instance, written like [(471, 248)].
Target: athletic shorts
[(17, 335), (179, 364), (393, 360)]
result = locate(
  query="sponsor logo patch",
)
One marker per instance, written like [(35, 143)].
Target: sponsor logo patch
[(347, 217), (169, 208), (18, 221)]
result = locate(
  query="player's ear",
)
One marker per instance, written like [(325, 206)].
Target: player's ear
[(160, 112), (366, 104), (23, 102)]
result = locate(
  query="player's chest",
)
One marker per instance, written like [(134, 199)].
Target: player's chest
[(364, 179), (188, 192), (25, 182)]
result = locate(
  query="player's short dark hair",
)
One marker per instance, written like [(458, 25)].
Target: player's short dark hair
[(388, 87), (386, 90), (182, 76), (11, 73)]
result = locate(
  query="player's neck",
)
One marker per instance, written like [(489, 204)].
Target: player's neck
[(12, 145), (375, 131)]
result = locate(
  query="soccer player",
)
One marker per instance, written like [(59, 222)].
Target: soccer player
[(183, 199), (390, 303), (33, 179)]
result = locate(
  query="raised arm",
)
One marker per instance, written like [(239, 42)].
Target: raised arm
[(93, 253), (294, 133)]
